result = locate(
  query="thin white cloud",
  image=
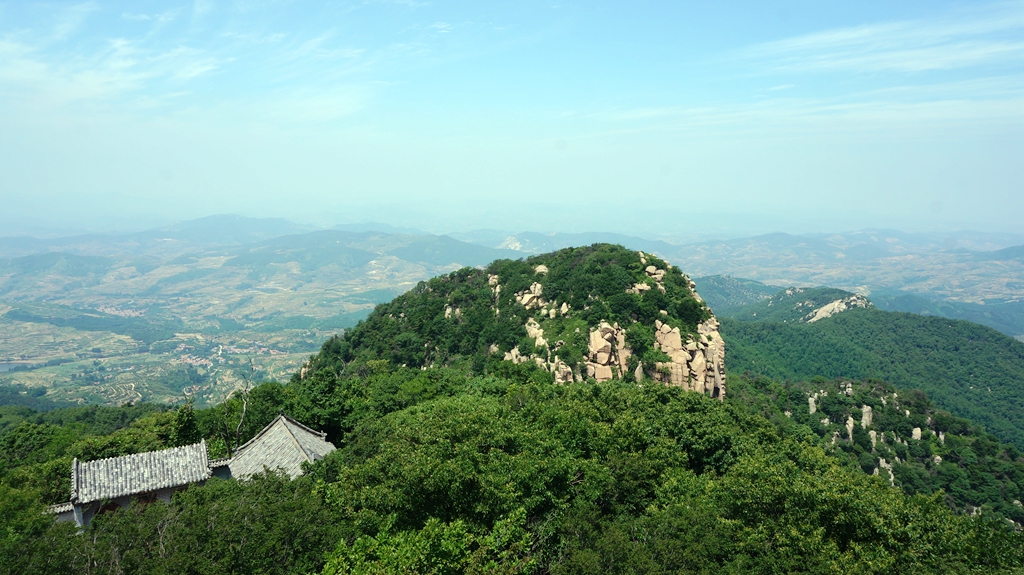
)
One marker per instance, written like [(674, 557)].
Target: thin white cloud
[(200, 7), (318, 47), (71, 19), (985, 36), (997, 101), (161, 17), (121, 67)]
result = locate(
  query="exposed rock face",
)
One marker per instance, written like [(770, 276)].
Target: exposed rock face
[(531, 298), (866, 415), (607, 349), (832, 308), (515, 357), (883, 464), (696, 361), (698, 364), (915, 433)]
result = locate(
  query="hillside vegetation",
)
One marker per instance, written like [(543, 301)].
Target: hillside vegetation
[(725, 292), (899, 435), (452, 459), (439, 471), (477, 315), (968, 369)]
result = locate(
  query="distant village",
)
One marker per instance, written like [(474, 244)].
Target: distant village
[(114, 310), (199, 361)]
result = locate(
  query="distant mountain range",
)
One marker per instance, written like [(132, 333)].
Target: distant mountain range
[(733, 297), (801, 333)]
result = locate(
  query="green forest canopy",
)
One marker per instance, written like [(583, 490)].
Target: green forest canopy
[(487, 466)]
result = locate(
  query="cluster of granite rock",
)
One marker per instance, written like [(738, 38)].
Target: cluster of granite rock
[(866, 420), (562, 372), (837, 306), (533, 298), (698, 364)]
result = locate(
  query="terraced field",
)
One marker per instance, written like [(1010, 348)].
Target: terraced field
[(124, 319)]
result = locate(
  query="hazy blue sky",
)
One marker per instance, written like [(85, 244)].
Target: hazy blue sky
[(567, 116)]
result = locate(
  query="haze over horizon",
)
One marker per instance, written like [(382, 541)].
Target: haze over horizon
[(571, 117)]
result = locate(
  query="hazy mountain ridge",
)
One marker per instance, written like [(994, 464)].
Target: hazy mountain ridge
[(208, 284), (799, 305), (156, 307), (731, 296), (969, 267), (782, 259)]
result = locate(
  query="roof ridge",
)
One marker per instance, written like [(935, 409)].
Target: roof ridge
[(113, 477), (245, 445), (102, 459), (58, 507), (286, 419), (74, 479), (322, 434), (296, 441)]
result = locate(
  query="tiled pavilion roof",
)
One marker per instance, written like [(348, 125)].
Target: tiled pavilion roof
[(138, 473)]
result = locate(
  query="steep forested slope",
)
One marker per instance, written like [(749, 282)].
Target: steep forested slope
[(969, 369), (899, 435), (725, 292)]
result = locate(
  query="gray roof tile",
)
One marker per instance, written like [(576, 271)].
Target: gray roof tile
[(139, 473), (284, 444), (60, 507)]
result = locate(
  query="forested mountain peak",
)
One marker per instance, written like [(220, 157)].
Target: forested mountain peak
[(598, 312), (800, 305)]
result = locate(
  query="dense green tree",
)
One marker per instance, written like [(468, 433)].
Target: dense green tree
[(185, 430)]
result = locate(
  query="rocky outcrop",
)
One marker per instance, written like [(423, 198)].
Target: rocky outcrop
[(608, 355), (696, 361), (532, 298), (883, 464), (866, 414), (558, 368), (837, 306), (698, 364)]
